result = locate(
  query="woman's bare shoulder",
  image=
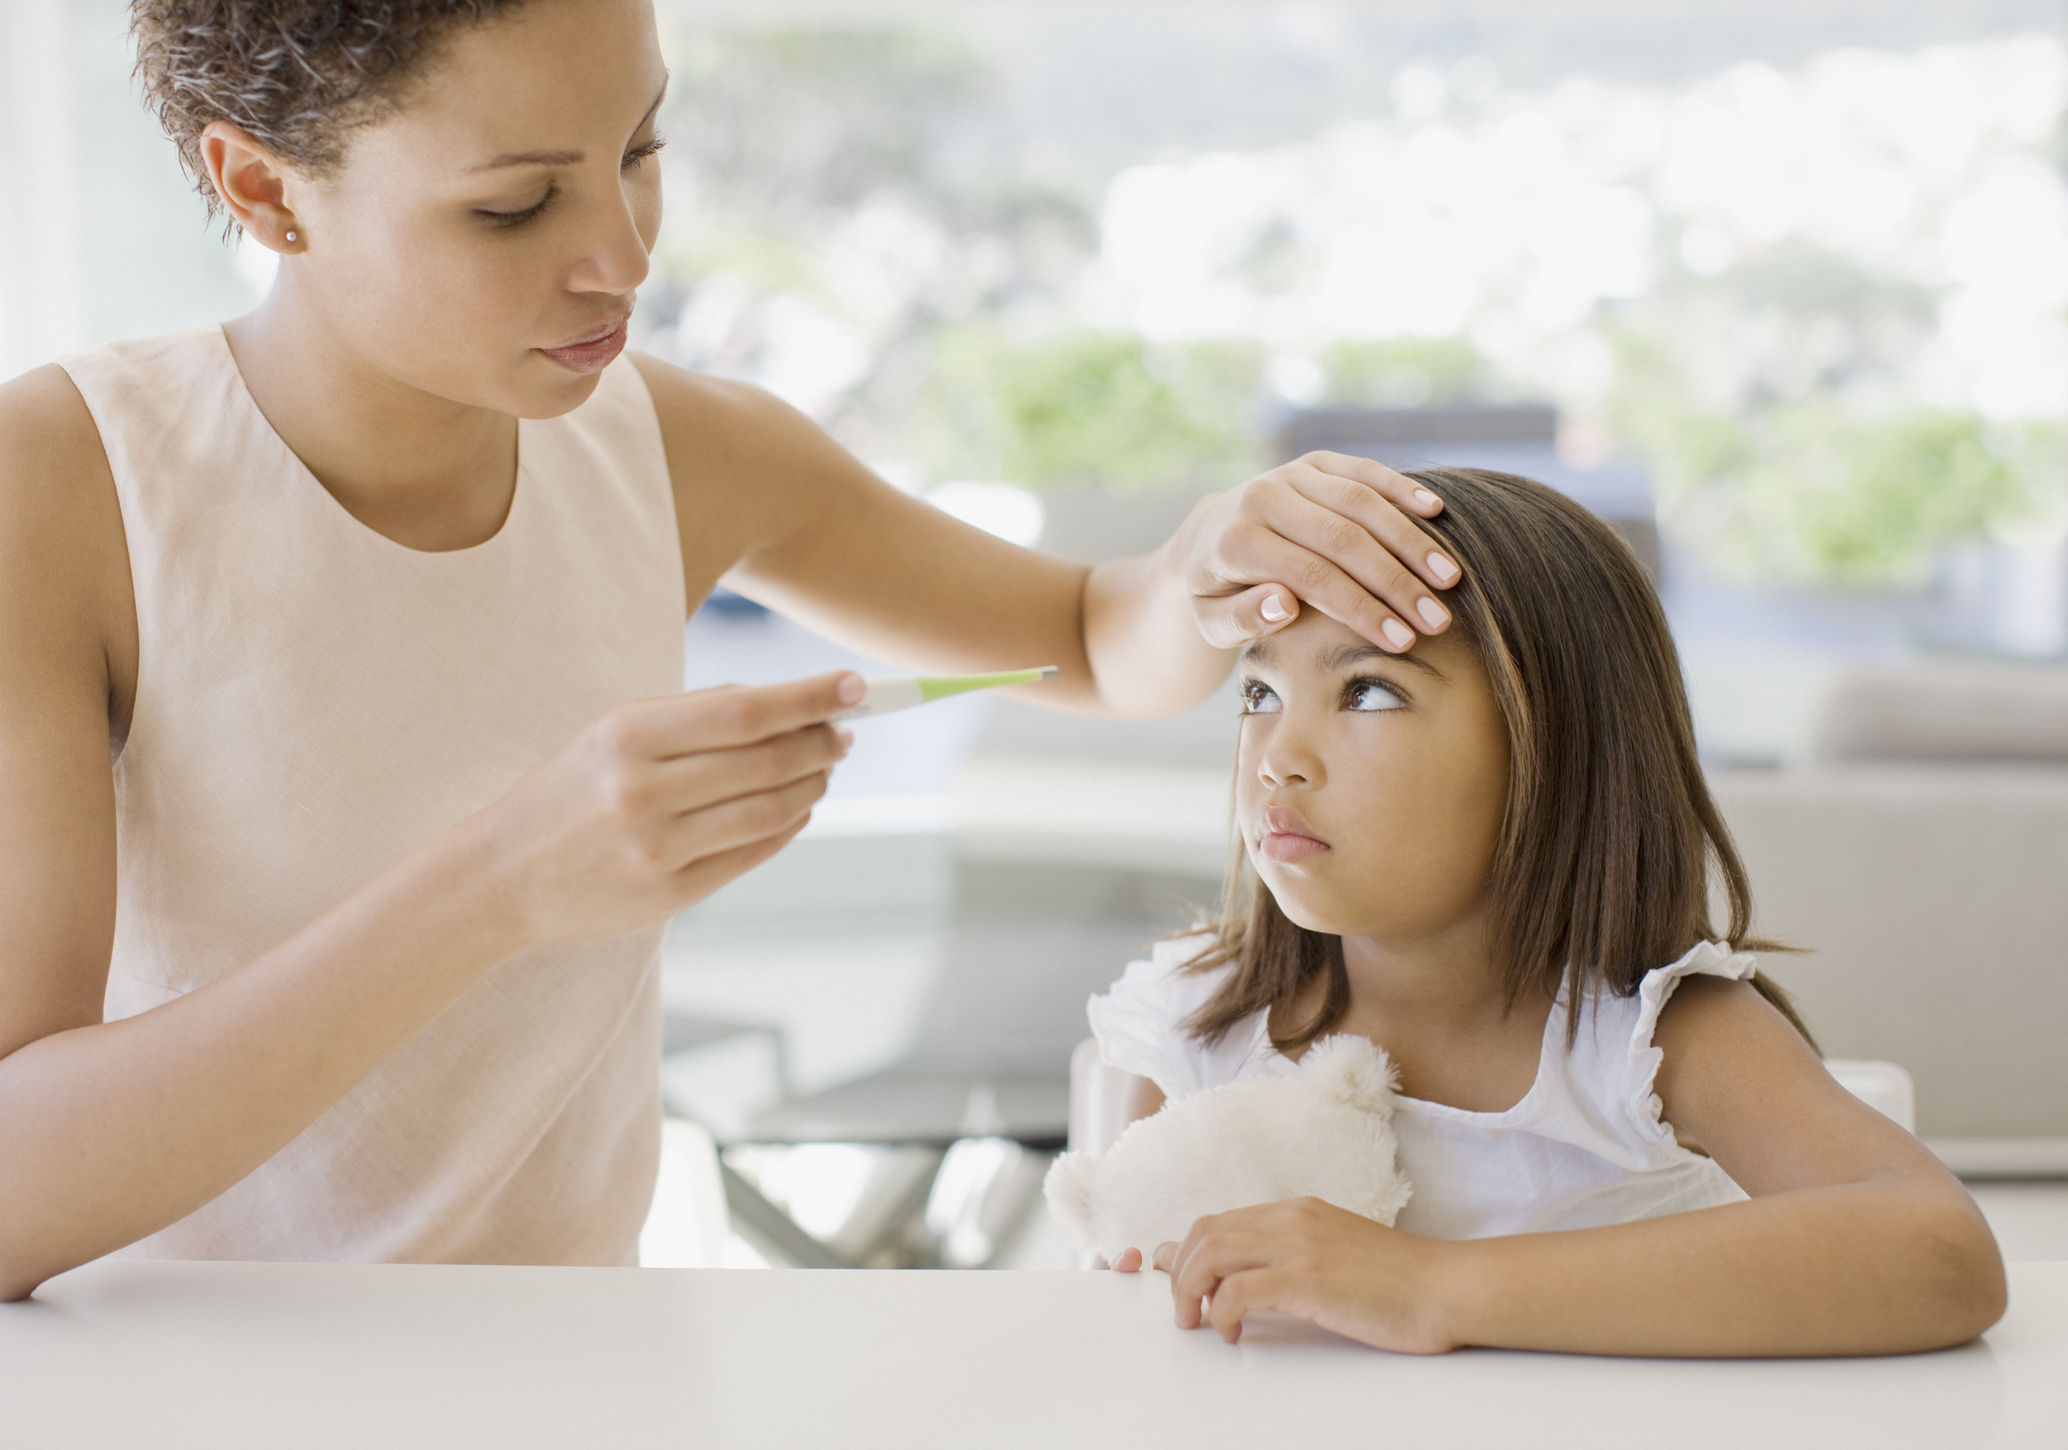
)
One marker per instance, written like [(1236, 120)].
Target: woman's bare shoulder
[(49, 445), (65, 601), (717, 424), (750, 472)]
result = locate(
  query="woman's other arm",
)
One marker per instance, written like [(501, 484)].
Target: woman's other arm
[(1855, 1240), (767, 501), (112, 1131)]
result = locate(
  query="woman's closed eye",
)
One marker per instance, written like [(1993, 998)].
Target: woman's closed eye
[(630, 162), (1369, 694), (639, 153)]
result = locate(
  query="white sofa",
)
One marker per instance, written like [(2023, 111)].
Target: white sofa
[(1931, 901)]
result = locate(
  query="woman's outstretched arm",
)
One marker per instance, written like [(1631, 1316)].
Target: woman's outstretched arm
[(112, 1131), (1855, 1240), (785, 515)]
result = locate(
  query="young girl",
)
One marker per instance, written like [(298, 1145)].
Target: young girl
[(375, 599), (1493, 858)]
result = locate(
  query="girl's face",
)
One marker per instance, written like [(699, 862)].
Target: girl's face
[(1370, 787), (483, 243)]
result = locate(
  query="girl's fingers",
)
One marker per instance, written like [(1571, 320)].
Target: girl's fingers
[(1129, 1262), (1235, 1298), (1214, 1249)]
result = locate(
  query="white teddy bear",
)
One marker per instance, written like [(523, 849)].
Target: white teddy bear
[(1323, 1131)]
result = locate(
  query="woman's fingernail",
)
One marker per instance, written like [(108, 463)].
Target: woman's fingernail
[(1426, 499), (1442, 568), (845, 736), (851, 689), (1434, 613), (1273, 609), (1397, 634)]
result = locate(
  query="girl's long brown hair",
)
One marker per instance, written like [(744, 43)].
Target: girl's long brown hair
[(1604, 863)]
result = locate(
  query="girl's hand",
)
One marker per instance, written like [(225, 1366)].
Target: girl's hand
[(1334, 530), (1317, 1262), (661, 802)]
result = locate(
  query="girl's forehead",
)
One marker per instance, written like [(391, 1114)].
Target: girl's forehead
[(1305, 643), (1315, 644)]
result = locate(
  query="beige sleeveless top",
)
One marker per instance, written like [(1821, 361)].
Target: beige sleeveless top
[(314, 702)]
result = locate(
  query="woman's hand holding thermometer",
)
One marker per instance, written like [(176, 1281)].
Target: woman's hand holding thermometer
[(887, 693), (662, 801)]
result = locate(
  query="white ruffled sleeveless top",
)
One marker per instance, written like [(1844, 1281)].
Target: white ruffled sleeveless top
[(315, 702), (1584, 1148)]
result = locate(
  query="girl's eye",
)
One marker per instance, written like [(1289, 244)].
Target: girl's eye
[(1259, 699), (1371, 695)]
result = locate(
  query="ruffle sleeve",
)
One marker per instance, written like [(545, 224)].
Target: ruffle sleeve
[(1707, 959), (1139, 1021)]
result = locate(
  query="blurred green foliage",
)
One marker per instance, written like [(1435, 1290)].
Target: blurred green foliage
[(1765, 401), (1405, 372), (1115, 411), (1773, 399), (1095, 408), (1812, 494)]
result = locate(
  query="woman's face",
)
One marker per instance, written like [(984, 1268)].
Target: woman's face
[(484, 242), (1370, 787)]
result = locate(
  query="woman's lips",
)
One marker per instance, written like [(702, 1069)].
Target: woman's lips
[(591, 354)]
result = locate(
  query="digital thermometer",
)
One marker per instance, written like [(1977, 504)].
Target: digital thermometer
[(887, 693)]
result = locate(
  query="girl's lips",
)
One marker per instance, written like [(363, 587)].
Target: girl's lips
[(1289, 847), (594, 355)]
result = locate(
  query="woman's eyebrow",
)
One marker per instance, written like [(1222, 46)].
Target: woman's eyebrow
[(562, 158), (533, 158)]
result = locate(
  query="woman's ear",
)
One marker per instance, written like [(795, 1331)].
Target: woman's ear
[(251, 182)]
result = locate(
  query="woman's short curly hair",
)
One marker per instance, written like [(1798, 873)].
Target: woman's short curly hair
[(299, 75)]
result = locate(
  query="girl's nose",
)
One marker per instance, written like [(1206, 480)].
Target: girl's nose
[(1286, 760)]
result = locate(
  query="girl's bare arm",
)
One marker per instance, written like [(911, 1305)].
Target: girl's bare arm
[(1855, 1240), (112, 1131)]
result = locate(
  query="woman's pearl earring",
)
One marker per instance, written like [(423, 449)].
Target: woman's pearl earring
[(292, 237)]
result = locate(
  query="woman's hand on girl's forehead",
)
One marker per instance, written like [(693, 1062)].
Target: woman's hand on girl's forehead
[(1332, 531)]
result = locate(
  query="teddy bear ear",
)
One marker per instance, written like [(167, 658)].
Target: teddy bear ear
[(1071, 1181), (1354, 1070)]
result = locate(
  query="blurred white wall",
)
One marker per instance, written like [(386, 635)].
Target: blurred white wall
[(101, 234), (44, 307)]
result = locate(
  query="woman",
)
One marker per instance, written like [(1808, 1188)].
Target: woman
[(375, 595)]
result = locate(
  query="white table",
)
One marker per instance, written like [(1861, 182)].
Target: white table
[(303, 1357)]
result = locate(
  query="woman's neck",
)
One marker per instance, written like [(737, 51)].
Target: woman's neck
[(424, 471), (1438, 1004)]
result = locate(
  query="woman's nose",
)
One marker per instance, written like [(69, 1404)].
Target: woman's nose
[(616, 257)]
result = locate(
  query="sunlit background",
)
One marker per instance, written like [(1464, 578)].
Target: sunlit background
[(1782, 288)]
